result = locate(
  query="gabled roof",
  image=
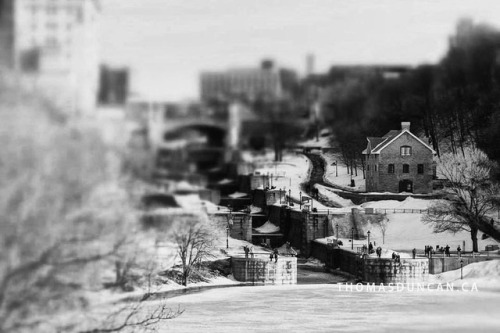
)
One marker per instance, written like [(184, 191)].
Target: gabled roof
[(391, 139), (391, 133)]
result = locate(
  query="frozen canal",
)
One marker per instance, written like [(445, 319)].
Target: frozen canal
[(323, 308)]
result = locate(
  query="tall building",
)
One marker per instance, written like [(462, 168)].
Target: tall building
[(6, 33), (54, 50), (113, 85), (247, 83)]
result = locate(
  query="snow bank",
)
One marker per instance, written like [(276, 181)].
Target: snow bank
[(255, 209), (237, 195), (485, 274), (333, 197), (408, 203), (268, 228)]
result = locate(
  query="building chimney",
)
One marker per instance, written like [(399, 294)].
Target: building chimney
[(405, 125), (310, 64), (267, 64)]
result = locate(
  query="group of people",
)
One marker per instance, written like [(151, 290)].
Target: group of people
[(274, 255), (429, 250), (248, 251), (396, 257)]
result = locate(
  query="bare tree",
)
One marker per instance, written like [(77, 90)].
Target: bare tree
[(65, 210), (470, 190), (136, 317), (195, 240), (383, 224)]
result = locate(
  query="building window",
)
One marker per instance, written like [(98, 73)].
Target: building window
[(390, 168), (420, 168), (406, 168), (405, 150)]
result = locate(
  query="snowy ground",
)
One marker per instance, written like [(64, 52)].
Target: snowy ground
[(323, 308), (486, 275), (338, 174), (407, 231)]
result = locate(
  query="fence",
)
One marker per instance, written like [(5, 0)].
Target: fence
[(400, 211)]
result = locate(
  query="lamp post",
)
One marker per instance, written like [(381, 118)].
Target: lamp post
[(368, 233), (336, 169), (337, 226), (461, 269), (300, 199), (289, 196), (352, 238), (229, 224)]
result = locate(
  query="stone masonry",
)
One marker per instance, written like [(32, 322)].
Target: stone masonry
[(264, 271)]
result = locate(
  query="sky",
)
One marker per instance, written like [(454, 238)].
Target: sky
[(167, 43)]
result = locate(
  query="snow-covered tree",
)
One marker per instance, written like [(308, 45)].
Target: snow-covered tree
[(471, 190)]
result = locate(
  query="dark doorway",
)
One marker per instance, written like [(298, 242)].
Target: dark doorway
[(406, 185)]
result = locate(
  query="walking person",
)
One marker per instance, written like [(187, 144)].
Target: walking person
[(251, 251), (379, 252), (414, 252), (447, 250), (245, 248), (459, 251), (276, 255)]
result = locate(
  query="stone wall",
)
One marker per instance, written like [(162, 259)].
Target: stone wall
[(373, 270), (389, 271), (263, 181), (439, 265), (263, 271)]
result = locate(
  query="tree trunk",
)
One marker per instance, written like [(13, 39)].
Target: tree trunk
[(473, 236)]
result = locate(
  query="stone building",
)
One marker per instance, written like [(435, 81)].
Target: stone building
[(399, 162)]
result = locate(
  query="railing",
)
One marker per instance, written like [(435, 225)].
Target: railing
[(400, 211)]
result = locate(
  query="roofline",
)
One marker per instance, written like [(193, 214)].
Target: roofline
[(397, 136)]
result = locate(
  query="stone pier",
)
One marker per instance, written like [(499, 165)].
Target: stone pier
[(261, 270)]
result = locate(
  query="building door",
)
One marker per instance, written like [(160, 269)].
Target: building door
[(406, 185)]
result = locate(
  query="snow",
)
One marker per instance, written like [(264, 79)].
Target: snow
[(225, 181), (343, 179), (325, 308), (332, 196), (408, 203), (323, 141), (255, 210), (486, 275), (237, 195), (268, 228), (407, 231)]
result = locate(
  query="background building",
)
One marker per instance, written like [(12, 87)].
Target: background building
[(53, 48), (6, 33), (248, 84), (113, 86)]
